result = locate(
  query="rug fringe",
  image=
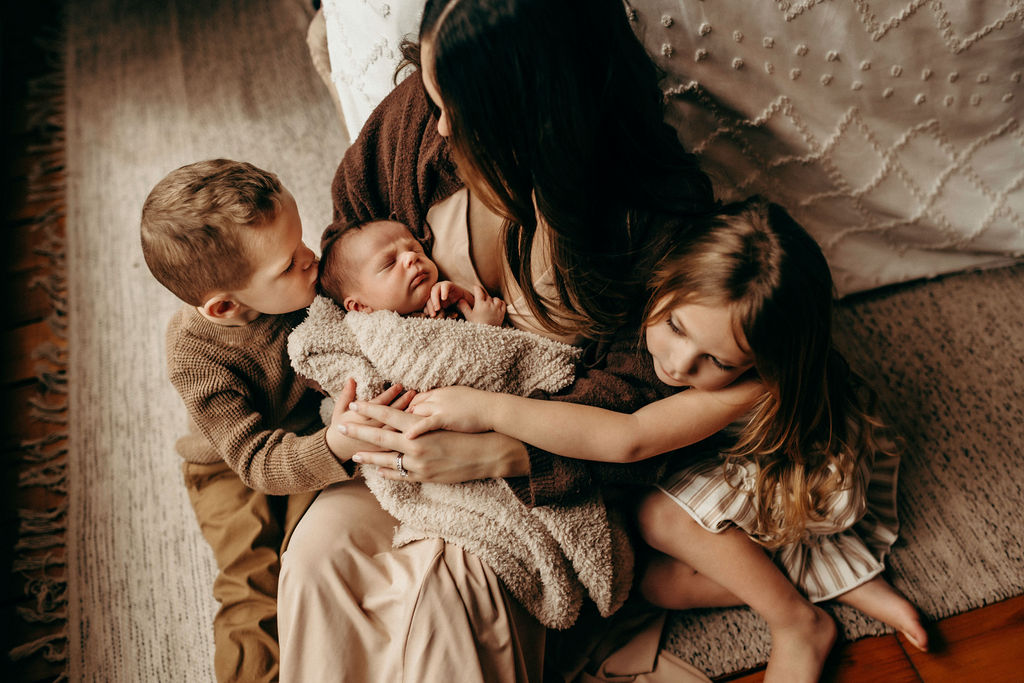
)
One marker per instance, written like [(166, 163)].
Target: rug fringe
[(45, 646), (38, 550)]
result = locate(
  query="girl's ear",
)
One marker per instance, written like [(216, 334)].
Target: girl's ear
[(221, 308)]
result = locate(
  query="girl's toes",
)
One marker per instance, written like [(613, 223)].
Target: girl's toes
[(918, 638)]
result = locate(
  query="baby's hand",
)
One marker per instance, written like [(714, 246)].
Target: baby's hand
[(458, 409), (488, 310), (442, 295)]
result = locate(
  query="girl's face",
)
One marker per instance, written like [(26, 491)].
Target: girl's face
[(698, 346)]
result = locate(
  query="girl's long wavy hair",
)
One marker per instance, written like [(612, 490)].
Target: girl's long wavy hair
[(816, 420), (555, 102)]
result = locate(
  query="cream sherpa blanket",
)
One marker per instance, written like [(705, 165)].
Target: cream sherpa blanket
[(548, 557)]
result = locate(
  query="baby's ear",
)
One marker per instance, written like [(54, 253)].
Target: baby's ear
[(221, 307), (354, 306)]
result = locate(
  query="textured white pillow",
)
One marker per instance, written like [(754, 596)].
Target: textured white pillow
[(363, 37), (891, 129)]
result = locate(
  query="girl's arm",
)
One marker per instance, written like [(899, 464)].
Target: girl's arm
[(586, 432)]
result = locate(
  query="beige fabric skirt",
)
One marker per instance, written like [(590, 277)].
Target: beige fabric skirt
[(352, 608)]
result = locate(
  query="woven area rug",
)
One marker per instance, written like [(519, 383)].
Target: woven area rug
[(151, 86)]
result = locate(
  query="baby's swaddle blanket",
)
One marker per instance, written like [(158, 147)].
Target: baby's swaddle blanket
[(546, 556)]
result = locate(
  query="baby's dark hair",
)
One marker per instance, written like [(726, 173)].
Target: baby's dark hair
[(335, 269)]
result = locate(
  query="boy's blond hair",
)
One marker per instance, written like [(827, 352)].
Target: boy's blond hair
[(193, 222)]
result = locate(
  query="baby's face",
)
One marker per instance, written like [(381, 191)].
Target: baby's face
[(390, 270)]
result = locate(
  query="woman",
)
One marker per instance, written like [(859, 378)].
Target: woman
[(530, 155)]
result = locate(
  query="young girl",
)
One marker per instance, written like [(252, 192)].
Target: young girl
[(740, 316)]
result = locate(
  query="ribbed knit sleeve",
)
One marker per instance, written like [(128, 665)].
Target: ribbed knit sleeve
[(398, 166), (243, 397)]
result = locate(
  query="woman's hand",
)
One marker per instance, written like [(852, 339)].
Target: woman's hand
[(440, 457), (342, 446), (459, 409)]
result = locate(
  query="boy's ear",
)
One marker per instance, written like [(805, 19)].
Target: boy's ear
[(221, 307), (352, 305)]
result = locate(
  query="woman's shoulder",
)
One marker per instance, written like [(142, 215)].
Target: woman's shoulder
[(398, 165)]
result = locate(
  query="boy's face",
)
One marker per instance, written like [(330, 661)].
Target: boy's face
[(389, 269), (284, 274)]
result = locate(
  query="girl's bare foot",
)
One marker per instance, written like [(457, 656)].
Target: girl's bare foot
[(799, 649), (877, 598)]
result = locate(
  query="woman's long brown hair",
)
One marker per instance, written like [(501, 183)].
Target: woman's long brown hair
[(555, 103)]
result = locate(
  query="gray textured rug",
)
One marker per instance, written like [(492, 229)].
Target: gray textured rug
[(151, 86)]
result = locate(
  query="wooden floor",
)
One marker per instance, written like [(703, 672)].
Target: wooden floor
[(986, 645)]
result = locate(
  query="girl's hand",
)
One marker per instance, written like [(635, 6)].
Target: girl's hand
[(440, 457), (459, 409)]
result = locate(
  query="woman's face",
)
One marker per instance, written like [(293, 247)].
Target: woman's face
[(444, 128), (465, 170)]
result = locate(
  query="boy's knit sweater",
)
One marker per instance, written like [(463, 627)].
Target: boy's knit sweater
[(247, 406)]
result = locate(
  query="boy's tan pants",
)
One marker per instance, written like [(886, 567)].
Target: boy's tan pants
[(245, 529)]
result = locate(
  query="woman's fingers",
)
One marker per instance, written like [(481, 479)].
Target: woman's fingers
[(385, 439), (386, 463), (391, 416), (384, 398), (403, 401), (427, 424)]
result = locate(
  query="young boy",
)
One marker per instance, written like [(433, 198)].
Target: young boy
[(225, 237), (379, 265)]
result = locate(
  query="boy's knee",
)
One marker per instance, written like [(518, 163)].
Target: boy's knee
[(249, 655)]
